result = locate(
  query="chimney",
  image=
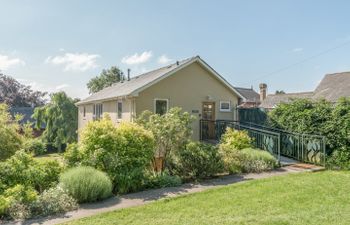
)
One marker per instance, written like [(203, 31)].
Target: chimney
[(121, 77), (129, 73), (263, 91), (177, 63)]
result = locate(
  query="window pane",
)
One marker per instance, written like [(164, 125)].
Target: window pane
[(225, 105), (119, 110), (161, 107)]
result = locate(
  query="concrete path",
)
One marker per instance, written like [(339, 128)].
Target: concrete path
[(144, 197)]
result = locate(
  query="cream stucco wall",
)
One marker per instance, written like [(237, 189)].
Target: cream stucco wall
[(188, 88)]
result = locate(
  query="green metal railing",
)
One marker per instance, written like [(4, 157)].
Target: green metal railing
[(302, 147)]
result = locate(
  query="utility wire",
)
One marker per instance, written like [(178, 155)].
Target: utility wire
[(301, 61)]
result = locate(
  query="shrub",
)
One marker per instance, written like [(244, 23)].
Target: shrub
[(86, 184), (339, 159), (72, 155), (235, 139), (198, 160), (172, 131), (10, 140), (123, 152), (22, 169), (17, 200), (34, 146), (161, 180), (248, 160), (53, 201)]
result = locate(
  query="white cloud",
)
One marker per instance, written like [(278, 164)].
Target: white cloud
[(75, 61), (297, 50), (163, 59), (62, 86), (6, 62), (137, 58)]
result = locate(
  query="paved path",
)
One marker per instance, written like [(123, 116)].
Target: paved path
[(144, 197)]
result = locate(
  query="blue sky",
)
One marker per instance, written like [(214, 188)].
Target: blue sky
[(60, 45)]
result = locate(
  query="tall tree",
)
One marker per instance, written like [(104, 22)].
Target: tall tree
[(61, 119), (16, 94), (279, 92), (105, 79)]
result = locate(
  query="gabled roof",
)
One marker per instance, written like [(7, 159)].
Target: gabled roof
[(143, 81), (249, 94), (333, 86), (272, 100)]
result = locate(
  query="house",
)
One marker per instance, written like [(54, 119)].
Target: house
[(190, 84), (251, 98), (332, 87), (27, 113)]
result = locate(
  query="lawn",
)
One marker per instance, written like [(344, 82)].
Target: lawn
[(306, 198)]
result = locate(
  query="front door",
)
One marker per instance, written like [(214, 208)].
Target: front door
[(208, 114)]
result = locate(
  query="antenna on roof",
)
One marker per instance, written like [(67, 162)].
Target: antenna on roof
[(129, 73)]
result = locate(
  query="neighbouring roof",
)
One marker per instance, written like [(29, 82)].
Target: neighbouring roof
[(26, 112), (249, 94), (333, 86), (139, 83), (272, 100)]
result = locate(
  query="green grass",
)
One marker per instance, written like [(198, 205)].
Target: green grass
[(50, 156), (305, 198)]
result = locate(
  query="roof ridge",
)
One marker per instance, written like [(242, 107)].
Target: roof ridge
[(293, 93)]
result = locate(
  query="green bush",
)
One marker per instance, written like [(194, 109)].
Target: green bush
[(72, 155), (17, 200), (123, 152), (161, 180), (34, 146), (53, 201), (235, 139), (22, 169), (339, 159), (86, 184), (10, 139), (198, 160), (248, 161)]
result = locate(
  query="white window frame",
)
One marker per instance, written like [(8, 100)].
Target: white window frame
[(95, 111), (160, 99), (121, 113), (225, 110)]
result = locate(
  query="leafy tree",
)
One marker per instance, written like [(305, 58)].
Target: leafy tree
[(61, 119), (172, 131), (16, 94), (279, 92), (105, 79), (10, 140)]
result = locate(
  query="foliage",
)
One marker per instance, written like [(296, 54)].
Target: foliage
[(34, 146), (61, 119), (280, 92), (161, 180), (105, 79), (171, 131), (16, 94), (72, 155), (317, 117), (22, 169), (10, 140), (86, 184), (339, 159), (53, 201), (235, 139), (16, 201), (123, 152), (198, 160)]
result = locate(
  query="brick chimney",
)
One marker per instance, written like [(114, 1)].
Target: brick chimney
[(263, 91)]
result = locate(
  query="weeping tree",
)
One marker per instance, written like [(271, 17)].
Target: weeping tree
[(61, 119)]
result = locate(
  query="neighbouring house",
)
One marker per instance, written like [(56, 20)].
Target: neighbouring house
[(332, 87), (251, 98), (27, 113), (190, 84)]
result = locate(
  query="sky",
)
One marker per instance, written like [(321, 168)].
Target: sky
[(60, 45)]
